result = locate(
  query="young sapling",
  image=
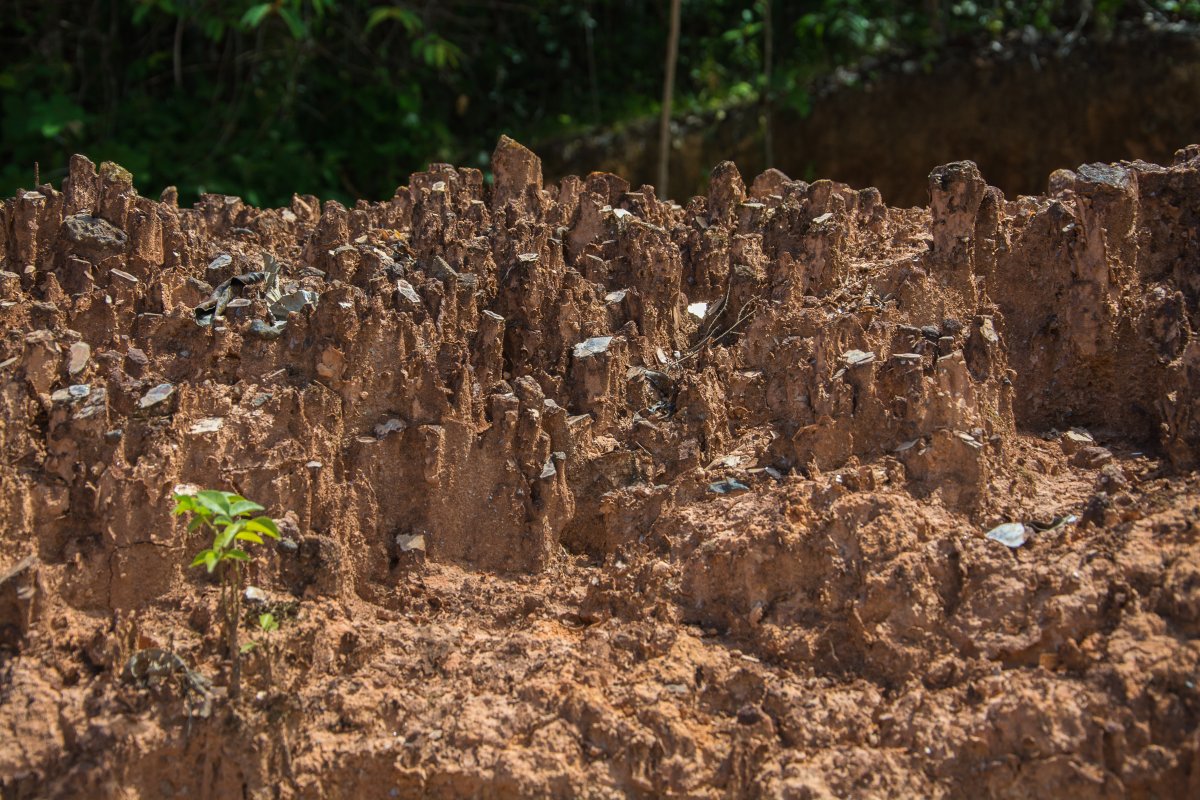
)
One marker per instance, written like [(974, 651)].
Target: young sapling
[(234, 526)]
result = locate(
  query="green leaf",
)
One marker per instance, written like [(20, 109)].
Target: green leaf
[(268, 622), (185, 503), (241, 507), (216, 502), (247, 647), (246, 536), (197, 521), (226, 536), (264, 525), (255, 15), (407, 18), (201, 558), (211, 560), (294, 23), (236, 555)]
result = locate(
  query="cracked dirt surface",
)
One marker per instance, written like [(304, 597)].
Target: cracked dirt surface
[(586, 493)]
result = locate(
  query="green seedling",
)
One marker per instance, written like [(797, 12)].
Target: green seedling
[(231, 520), (268, 623)]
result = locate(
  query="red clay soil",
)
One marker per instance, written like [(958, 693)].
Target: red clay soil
[(553, 528)]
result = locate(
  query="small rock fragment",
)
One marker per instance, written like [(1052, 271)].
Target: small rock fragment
[(1092, 457), (988, 331), (19, 590), (593, 346), (728, 486), (969, 440), (220, 262), (207, 425), (1010, 534), (77, 361), (390, 426), (157, 395), (407, 542), (856, 358), (441, 269), (264, 330), (293, 303), (748, 714), (96, 403), (71, 394), (93, 236), (407, 291), (1075, 440), (136, 362)]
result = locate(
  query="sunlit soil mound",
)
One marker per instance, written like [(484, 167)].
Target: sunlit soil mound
[(780, 493)]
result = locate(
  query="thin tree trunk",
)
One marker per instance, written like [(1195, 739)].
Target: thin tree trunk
[(768, 54), (177, 51), (591, 59), (664, 131)]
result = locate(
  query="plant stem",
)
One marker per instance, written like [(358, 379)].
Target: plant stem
[(232, 617)]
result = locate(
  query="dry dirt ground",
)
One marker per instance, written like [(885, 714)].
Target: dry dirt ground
[(586, 494)]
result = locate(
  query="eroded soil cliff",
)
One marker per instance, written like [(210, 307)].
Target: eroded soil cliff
[(589, 494)]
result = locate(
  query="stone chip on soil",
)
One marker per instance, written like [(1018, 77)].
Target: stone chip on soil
[(1092, 457), (156, 396), (1074, 440), (409, 542), (1010, 534), (728, 486), (77, 360), (855, 358), (593, 346), (220, 262), (94, 236), (389, 426), (207, 425), (71, 394)]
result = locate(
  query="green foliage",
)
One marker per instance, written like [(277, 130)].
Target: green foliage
[(267, 624), (343, 98), (231, 520)]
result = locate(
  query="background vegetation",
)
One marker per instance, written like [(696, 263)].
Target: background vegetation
[(343, 98)]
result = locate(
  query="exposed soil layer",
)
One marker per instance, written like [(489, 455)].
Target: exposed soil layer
[(590, 495)]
